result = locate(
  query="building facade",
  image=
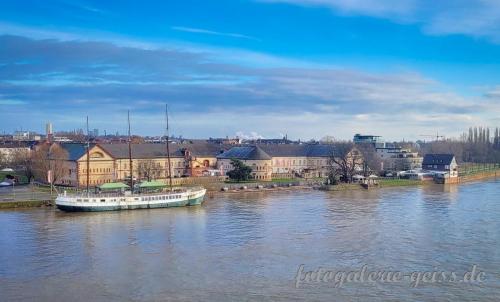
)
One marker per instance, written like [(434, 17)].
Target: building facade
[(393, 158), (109, 162), (252, 156), (441, 164)]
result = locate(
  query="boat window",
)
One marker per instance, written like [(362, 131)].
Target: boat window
[(78, 200), (86, 200), (135, 198), (103, 200)]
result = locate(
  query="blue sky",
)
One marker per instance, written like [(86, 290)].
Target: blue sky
[(306, 68)]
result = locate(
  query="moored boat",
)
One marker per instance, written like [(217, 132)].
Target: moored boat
[(134, 197), (93, 202)]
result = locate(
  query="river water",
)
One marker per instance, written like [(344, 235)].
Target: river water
[(250, 247)]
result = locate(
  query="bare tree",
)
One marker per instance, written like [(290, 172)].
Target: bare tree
[(3, 160), (327, 139), (147, 169), (371, 162), (52, 158), (345, 161), (22, 161)]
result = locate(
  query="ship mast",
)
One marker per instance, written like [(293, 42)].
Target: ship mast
[(88, 156), (168, 151), (130, 153)]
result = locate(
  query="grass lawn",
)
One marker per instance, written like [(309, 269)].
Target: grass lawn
[(274, 180), (240, 182), (281, 180), (474, 168), (398, 182)]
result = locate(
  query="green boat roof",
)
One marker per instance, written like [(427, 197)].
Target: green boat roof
[(152, 184), (113, 186)]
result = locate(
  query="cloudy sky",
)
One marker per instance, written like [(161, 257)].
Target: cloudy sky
[(306, 68)]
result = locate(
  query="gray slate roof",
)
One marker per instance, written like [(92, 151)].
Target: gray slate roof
[(75, 150), (205, 149), (305, 150), (438, 159), (246, 153), (151, 150)]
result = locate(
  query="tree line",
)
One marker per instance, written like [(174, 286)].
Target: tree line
[(35, 164), (476, 145)]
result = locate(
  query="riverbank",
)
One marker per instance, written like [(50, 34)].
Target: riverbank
[(26, 204), (381, 183), (219, 189), (479, 176)]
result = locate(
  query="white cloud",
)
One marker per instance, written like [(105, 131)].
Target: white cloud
[(211, 32), (478, 18), (379, 8), (11, 102), (303, 100)]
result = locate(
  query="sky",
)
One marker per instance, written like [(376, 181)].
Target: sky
[(253, 68)]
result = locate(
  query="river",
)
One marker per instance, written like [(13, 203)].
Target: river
[(250, 246)]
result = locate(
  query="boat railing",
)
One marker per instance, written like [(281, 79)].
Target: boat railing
[(84, 194)]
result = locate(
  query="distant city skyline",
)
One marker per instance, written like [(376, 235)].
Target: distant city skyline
[(262, 68)]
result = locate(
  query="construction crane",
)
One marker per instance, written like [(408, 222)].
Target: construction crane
[(437, 136)]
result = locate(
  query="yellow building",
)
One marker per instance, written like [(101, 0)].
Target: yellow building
[(252, 156), (302, 160), (110, 162)]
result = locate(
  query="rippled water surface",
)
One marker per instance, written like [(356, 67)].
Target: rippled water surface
[(249, 247)]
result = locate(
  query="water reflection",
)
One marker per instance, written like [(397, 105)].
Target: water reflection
[(248, 247)]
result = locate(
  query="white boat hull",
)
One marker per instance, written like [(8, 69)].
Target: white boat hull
[(97, 202)]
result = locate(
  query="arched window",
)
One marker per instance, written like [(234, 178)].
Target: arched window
[(96, 155)]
